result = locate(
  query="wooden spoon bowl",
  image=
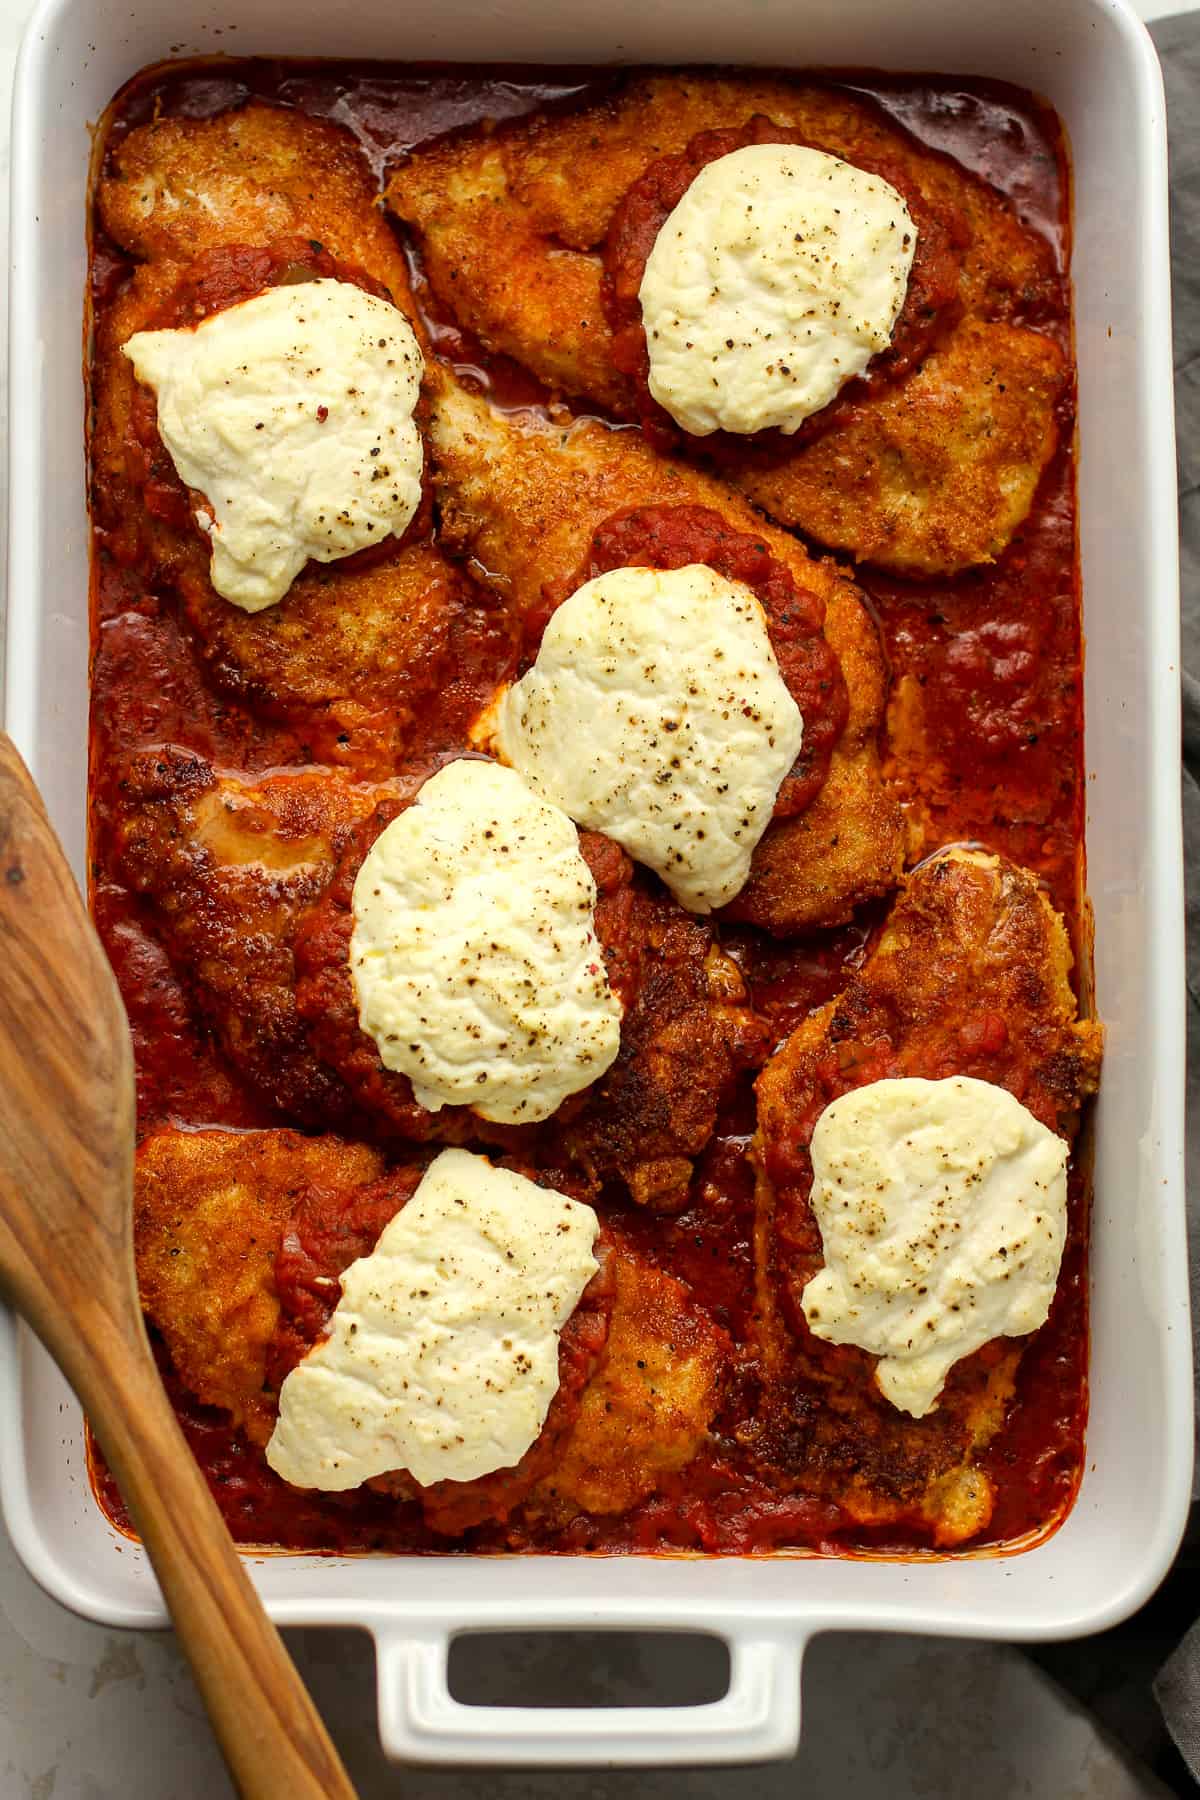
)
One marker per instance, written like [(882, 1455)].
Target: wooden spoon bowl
[(67, 1116)]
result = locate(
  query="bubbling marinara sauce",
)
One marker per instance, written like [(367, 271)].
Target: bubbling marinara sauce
[(987, 665)]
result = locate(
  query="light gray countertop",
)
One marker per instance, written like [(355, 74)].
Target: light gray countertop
[(88, 1713), (91, 1714)]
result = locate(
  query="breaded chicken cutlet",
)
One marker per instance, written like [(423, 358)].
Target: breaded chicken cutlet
[(930, 475), (223, 1223), (214, 211), (524, 496), (251, 887), (970, 976)]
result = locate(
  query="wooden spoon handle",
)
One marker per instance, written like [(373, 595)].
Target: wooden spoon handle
[(266, 1724), (66, 1263)]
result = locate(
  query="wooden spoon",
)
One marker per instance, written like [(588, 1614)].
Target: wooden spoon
[(66, 1263)]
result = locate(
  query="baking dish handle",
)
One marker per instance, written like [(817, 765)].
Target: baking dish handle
[(756, 1720)]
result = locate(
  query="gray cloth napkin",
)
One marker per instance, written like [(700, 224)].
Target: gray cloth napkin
[(1178, 41)]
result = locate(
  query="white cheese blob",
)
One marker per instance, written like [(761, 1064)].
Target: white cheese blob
[(655, 712), (778, 276), (292, 414), (943, 1214), (442, 1353), (474, 953)]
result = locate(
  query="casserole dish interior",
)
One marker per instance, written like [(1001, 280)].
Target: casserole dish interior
[(1094, 63)]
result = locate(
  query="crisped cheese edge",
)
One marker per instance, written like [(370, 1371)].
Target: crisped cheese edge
[(655, 712), (773, 282), (292, 413), (942, 1207), (441, 1357), (474, 954)]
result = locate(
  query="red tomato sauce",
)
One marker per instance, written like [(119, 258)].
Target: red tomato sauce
[(986, 732), (671, 537)]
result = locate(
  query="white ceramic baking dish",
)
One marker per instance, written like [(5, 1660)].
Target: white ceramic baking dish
[(1096, 64)]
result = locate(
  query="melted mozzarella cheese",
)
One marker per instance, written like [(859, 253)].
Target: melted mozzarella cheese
[(474, 953), (943, 1209), (655, 712), (442, 1354), (292, 414), (778, 276)]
